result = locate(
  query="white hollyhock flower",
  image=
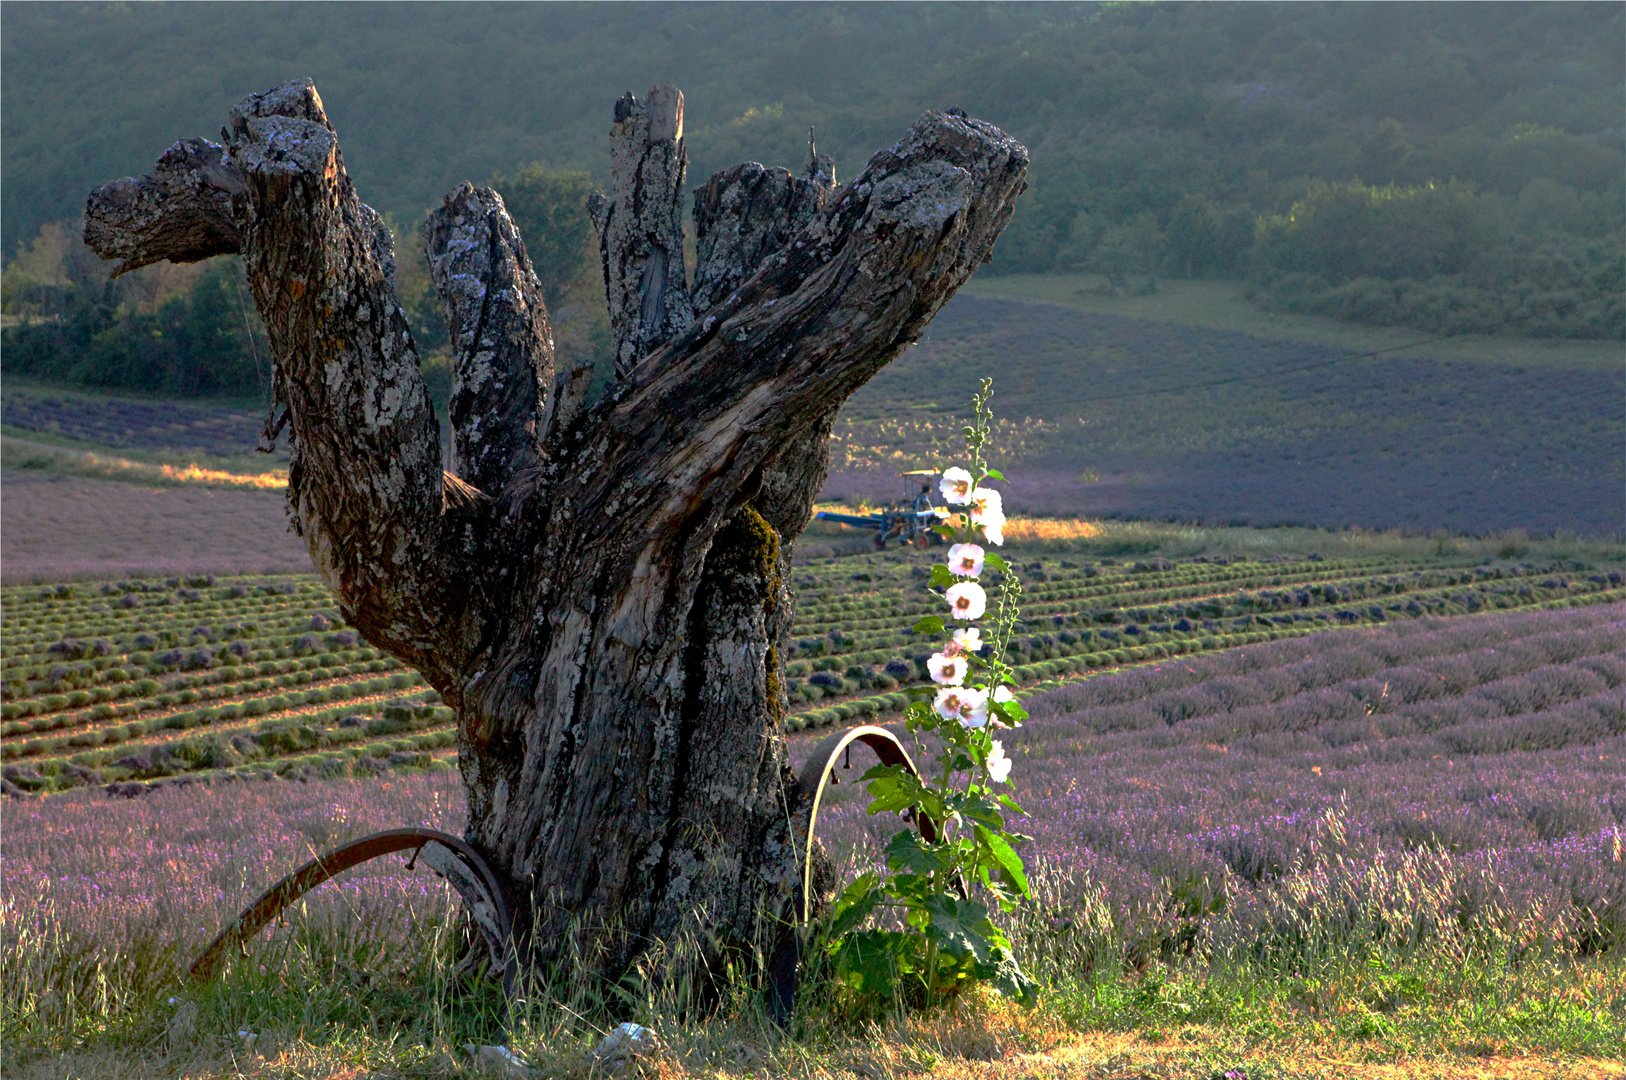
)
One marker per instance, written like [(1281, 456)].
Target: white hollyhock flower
[(986, 501), (955, 485), (965, 704), (999, 766), (965, 641), (946, 668), (965, 560), (1003, 694), (967, 600), (993, 530), (948, 702), (988, 512)]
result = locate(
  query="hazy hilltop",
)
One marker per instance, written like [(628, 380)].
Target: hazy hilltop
[(1127, 108), (1454, 168), (425, 96)]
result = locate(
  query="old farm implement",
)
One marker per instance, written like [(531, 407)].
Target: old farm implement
[(491, 910), (910, 520)]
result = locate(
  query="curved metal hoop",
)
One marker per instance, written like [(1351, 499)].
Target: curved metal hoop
[(447, 855), (816, 775)]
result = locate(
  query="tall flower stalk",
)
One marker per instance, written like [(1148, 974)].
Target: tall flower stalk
[(938, 889)]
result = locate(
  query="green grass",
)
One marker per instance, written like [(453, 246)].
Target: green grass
[(337, 996)]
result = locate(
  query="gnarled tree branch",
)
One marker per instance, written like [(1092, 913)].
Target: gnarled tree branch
[(640, 226), (365, 486), (182, 211), (853, 288), (503, 345), (745, 214)]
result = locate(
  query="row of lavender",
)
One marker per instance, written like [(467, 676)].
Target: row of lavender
[(132, 424), (1453, 787), (138, 681)]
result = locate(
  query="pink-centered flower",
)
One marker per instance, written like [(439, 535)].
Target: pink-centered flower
[(955, 485), (965, 704), (946, 668), (966, 600), (999, 766), (965, 560)]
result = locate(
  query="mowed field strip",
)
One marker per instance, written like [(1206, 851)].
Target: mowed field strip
[(142, 681)]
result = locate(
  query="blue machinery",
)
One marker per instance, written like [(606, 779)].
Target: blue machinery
[(908, 521)]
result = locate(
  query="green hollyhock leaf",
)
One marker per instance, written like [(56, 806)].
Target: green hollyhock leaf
[(993, 561), (980, 809), (960, 927), (1009, 711), (855, 903), (871, 961), (1007, 977), (892, 788), (941, 577), (931, 624), (1009, 862), (906, 854)]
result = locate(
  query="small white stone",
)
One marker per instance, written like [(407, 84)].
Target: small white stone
[(626, 1042)]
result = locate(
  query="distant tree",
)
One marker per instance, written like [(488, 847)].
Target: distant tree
[(1339, 232), (1128, 249), (1193, 235), (549, 207), (36, 280)]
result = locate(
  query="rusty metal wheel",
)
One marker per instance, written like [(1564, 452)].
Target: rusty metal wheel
[(816, 776), (447, 855)]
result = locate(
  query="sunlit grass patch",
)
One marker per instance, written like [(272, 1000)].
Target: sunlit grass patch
[(104, 466)]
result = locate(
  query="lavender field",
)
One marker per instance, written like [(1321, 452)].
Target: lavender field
[(1109, 416), (1451, 786), (67, 528), (1445, 792)]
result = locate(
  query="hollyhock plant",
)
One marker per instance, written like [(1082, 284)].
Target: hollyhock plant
[(950, 941)]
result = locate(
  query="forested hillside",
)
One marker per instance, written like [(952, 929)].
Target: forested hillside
[(1456, 167)]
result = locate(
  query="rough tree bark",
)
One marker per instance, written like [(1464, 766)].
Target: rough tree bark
[(597, 588)]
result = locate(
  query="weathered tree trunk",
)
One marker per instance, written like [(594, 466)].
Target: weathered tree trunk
[(600, 590)]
